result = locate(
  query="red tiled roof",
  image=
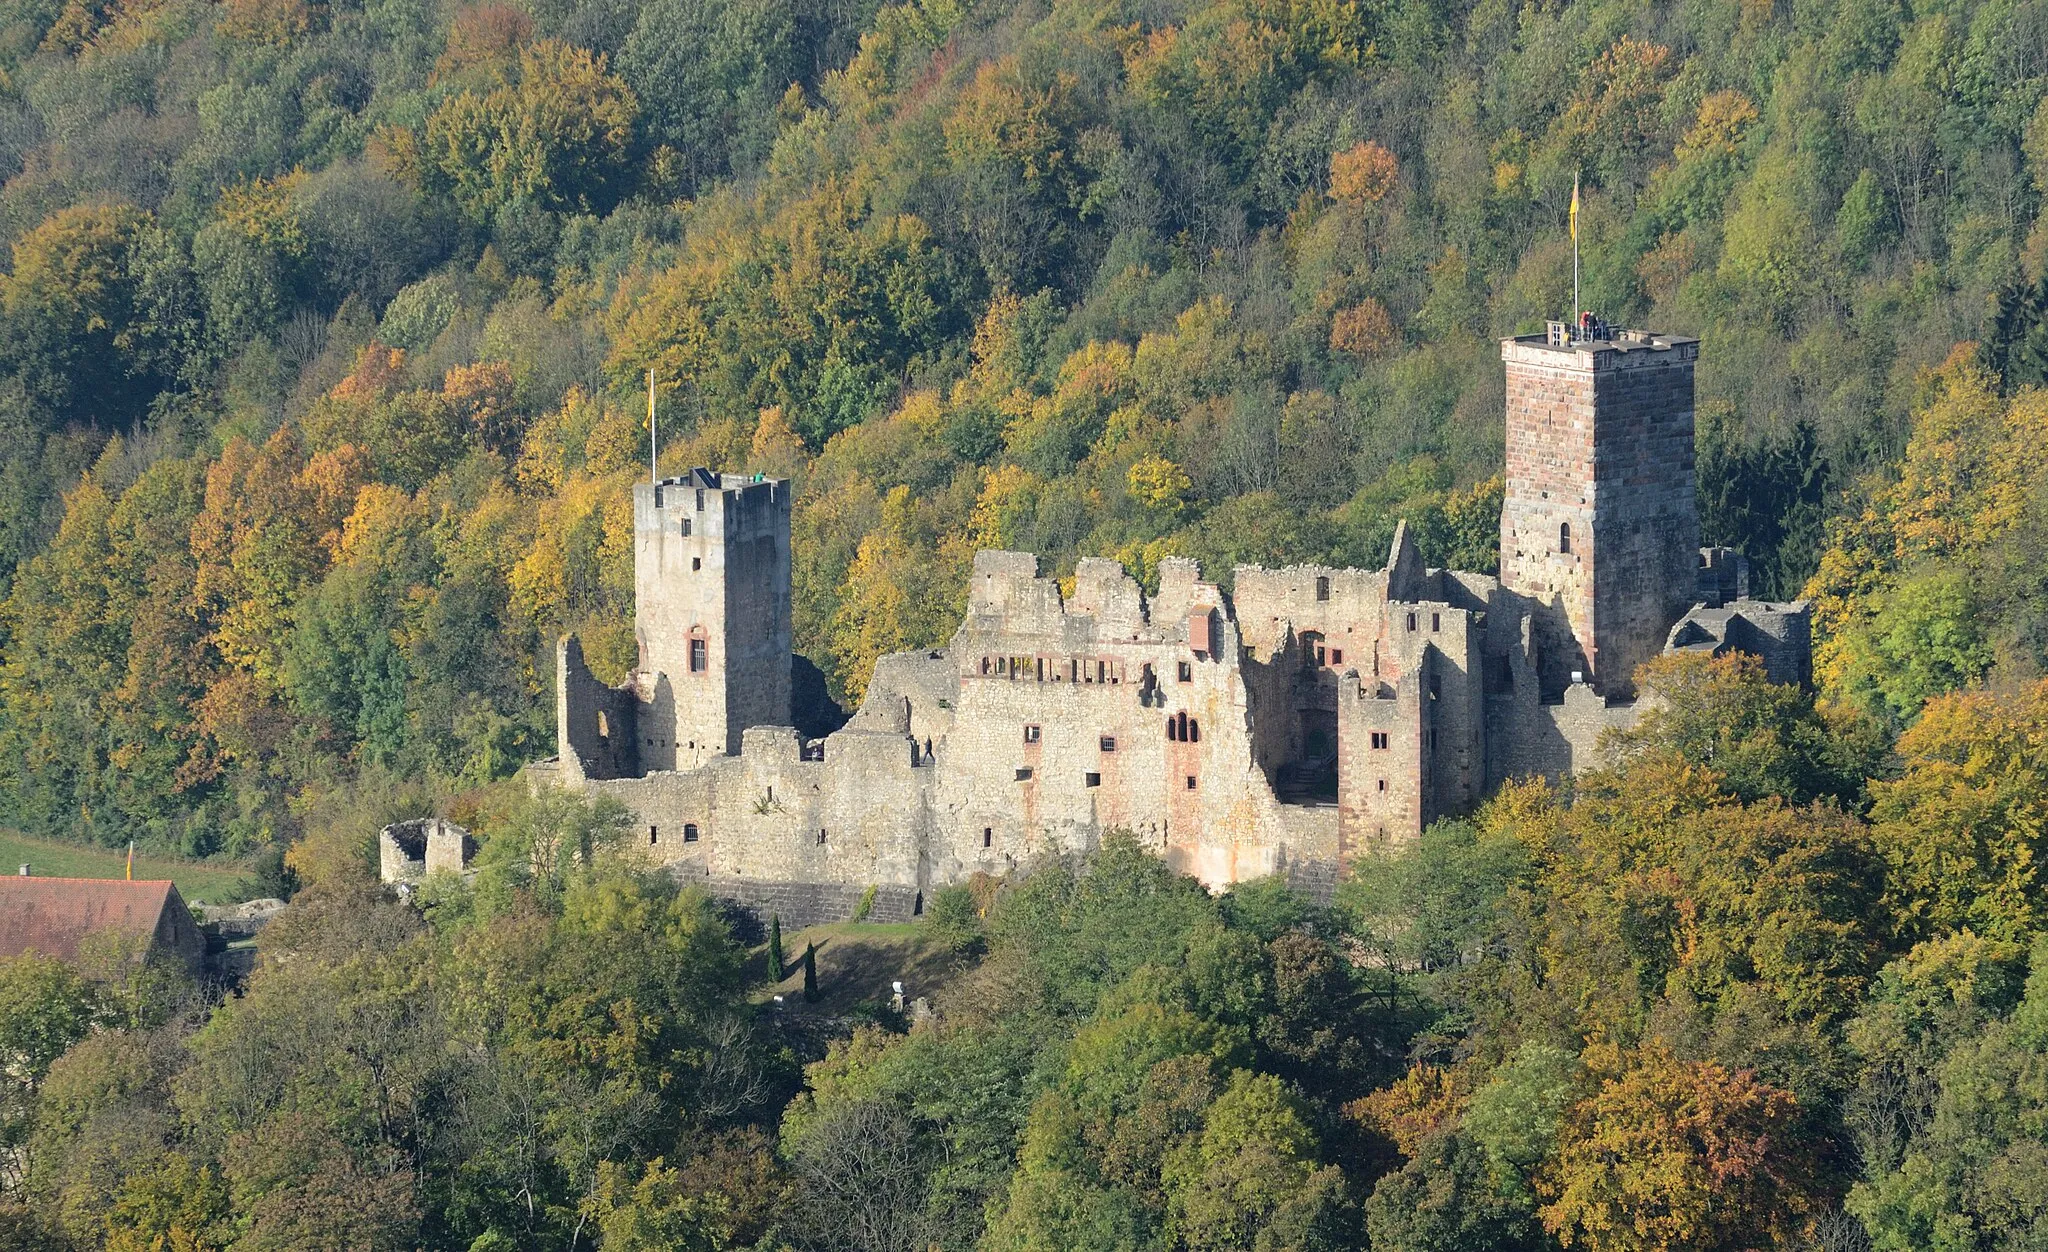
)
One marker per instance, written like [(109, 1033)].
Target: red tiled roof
[(52, 915)]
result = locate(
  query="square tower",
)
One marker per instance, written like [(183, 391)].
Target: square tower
[(711, 576), (1600, 528)]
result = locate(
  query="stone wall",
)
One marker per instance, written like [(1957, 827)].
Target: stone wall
[(408, 851), (595, 725), (1646, 524), (1106, 713), (1781, 635), (801, 904)]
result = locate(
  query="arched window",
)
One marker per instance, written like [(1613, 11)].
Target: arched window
[(1172, 732), (1564, 537), (1194, 731)]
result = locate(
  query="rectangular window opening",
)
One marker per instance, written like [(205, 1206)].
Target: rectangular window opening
[(1379, 739), (1031, 734), (1092, 779), (1109, 743), (689, 832), (1023, 773), (1191, 782), (988, 836), (696, 563), (698, 658), (1185, 672), (653, 835)]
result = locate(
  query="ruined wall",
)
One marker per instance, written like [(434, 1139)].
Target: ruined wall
[(801, 904), (1382, 728), (1351, 620), (595, 725), (1780, 635), (1041, 727), (1074, 719), (858, 816), (1530, 737), (408, 851)]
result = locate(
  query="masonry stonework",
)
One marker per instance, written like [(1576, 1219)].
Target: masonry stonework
[(1287, 727), (1600, 528)]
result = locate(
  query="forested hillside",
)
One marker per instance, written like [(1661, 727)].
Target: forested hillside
[(324, 336), (325, 328), (1730, 994)]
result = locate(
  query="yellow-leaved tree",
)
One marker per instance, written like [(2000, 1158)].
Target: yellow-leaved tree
[(1906, 596)]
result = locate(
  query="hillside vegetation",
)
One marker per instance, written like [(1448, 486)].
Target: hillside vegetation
[(1731, 994), (326, 327), (324, 335)]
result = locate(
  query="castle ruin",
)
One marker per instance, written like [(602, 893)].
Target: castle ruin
[(1303, 718)]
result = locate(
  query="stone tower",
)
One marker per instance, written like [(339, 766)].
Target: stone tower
[(711, 571), (1600, 527)]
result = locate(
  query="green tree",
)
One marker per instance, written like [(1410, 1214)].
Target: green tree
[(556, 136), (45, 1007), (97, 306), (1763, 739), (1973, 1175), (546, 840), (1446, 1199), (709, 77), (1254, 1159)]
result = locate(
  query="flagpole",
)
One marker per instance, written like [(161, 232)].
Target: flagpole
[(654, 431), (1575, 254)]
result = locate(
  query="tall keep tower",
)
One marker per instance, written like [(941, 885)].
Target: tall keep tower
[(711, 571), (1600, 525)]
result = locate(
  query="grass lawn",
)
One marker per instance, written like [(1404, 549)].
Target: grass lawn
[(856, 963), (211, 881)]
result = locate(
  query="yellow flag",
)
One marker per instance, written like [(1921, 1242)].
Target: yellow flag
[(1575, 208), (131, 860)]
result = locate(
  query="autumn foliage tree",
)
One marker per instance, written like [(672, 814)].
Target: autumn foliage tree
[(1667, 1154)]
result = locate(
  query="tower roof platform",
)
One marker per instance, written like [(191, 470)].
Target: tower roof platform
[(1622, 347)]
